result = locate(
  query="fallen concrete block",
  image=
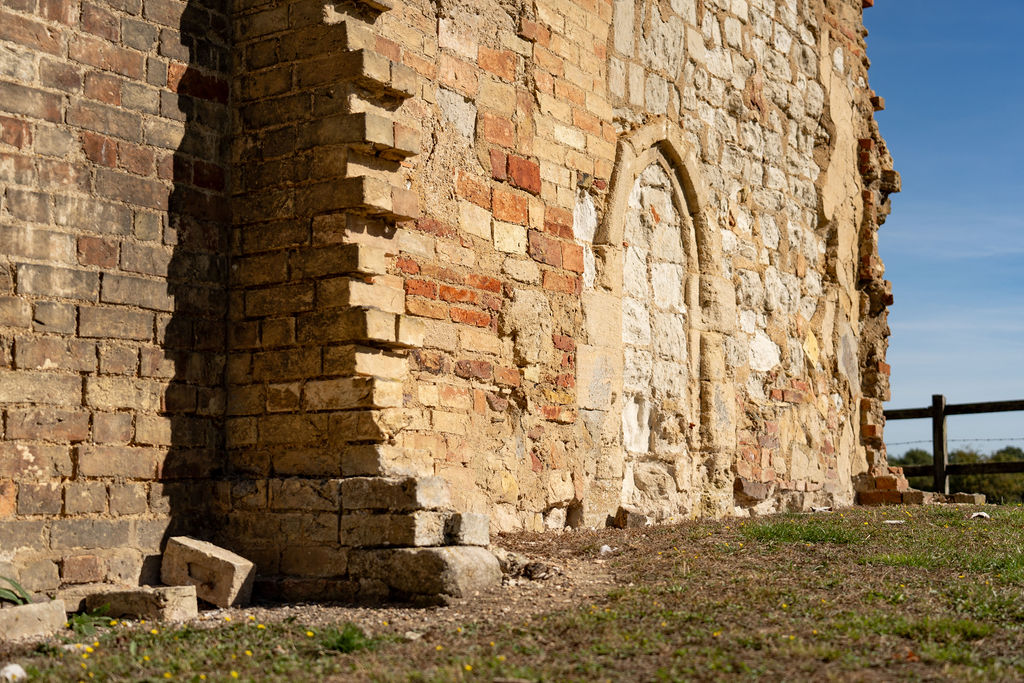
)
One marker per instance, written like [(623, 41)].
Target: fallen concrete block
[(220, 576), (33, 620), (468, 528), (457, 571), (160, 603)]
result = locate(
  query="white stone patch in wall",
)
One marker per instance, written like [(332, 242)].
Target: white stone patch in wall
[(661, 45), (687, 9), (637, 370), (636, 424), (769, 232), (667, 282), (747, 321), (636, 323), (669, 335), (782, 291), (457, 111), (837, 59), (634, 273), (584, 227), (764, 353), (749, 291), (670, 377), (622, 24)]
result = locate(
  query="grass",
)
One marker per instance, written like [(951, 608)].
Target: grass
[(835, 596)]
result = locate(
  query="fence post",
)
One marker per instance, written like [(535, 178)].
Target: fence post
[(939, 452)]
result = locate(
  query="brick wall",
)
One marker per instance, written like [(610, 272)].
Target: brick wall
[(113, 235), (324, 290)]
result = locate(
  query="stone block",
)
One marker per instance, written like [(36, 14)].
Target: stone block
[(394, 495), (422, 528), (629, 518), (468, 528), (458, 571), (377, 460), (220, 576), (35, 620), (159, 603), (969, 498)]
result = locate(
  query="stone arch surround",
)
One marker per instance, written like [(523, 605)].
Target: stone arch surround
[(698, 461)]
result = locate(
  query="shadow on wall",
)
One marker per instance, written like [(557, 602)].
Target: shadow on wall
[(193, 476)]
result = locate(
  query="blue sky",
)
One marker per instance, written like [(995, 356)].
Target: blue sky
[(951, 75)]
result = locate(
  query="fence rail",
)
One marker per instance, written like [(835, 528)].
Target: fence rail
[(940, 469)]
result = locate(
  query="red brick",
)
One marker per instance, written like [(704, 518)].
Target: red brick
[(511, 207), (879, 497), (558, 222), (474, 369), (29, 33), (507, 376), (566, 381), (99, 149), (135, 158), (59, 10), (464, 315), (524, 174), (491, 301), (389, 49), (473, 189), (15, 132), (457, 74), (103, 87), (572, 257), (563, 343), (484, 282), (8, 498), (498, 130), (564, 90), (93, 251), (407, 265), (548, 60), (499, 163), (97, 52), (457, 295), (100, 22), (82, 569), (421, 288), (501, 63), (534, 31), (586, 121), (561, 282), (545, 249)]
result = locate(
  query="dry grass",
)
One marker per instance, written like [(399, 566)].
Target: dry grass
[(835, 596)]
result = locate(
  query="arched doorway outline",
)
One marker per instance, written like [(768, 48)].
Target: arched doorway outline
[(710, 297)]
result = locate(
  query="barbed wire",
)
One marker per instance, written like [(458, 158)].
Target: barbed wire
[(1001, 438)]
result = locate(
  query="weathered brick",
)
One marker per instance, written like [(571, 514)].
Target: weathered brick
[(117, 461), (510, 207), (48, 424), (117, 323), (34, 461), (40, 499), (82, 497), (58, 282), (41, 387), (82, 569)]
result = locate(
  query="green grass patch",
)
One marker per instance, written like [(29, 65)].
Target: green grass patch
[(802, 530)]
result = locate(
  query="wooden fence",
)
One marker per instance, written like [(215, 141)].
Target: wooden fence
[(940, 469)]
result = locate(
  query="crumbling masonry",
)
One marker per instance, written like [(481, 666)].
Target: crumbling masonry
[(344, 287)]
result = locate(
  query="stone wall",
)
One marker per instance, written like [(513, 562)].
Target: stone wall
[(338, 285)]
